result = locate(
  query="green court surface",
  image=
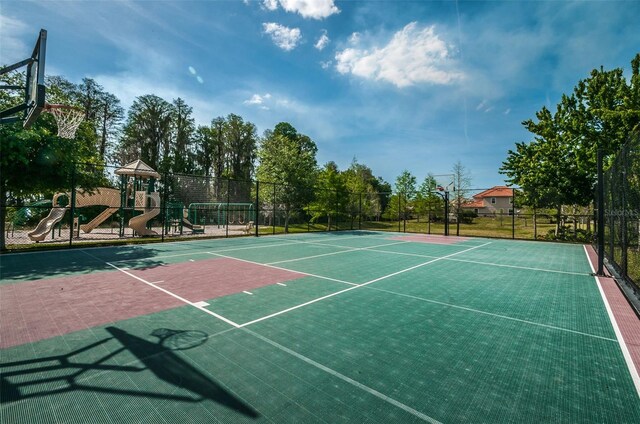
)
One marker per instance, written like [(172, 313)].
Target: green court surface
[(362, 327)]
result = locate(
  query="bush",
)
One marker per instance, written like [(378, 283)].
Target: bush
[(566, 233), (466, 217)]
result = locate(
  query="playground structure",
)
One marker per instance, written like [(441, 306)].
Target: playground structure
[(136, 194), (101, 196)]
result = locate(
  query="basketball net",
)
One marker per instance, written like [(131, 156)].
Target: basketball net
[(68, 119)]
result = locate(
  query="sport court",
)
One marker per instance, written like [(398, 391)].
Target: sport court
[(325, 327)]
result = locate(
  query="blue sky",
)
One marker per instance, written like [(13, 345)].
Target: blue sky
[(414, 85)]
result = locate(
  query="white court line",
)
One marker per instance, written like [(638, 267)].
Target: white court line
[(195, 252), (485, 263), (182, 299), (349, 249), (478, 311), (623, 345), (247, 292), (282, 284), (346, 379), (283, 269), (358, 286)]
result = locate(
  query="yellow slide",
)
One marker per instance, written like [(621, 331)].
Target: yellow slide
[(139, 223), (46, 225)]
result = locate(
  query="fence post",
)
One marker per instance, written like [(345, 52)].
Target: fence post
[(273, 218), (360, 212), (226, 215), (257, 210), (163, 208), (398, 212), (513, 213), (600, 206), (72, 203), (446, 212)]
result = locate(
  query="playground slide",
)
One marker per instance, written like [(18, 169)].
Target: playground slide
[(46, 225), (139, 223), (98, 219), (192, 227)]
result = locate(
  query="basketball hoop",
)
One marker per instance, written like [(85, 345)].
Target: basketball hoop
[(68, 119)]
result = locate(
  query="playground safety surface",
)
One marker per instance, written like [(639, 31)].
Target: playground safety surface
[(320, 327)]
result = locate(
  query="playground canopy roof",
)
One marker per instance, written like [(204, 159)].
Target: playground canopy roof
[(137, 168)]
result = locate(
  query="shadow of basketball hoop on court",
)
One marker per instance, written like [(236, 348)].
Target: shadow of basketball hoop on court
[(61, 373)]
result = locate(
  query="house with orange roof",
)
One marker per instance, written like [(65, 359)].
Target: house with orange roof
[(494, 201)]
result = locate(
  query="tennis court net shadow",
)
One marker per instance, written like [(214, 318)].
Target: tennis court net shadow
[(60, 373)]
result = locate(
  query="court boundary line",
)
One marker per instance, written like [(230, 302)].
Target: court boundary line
[(465, 308), (282, 269), (357, 286), (182, 299), (344, 378), (614, 323), (349, 249), (487, 263)]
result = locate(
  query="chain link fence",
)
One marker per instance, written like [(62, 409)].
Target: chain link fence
[(622, 212), (119, 207)]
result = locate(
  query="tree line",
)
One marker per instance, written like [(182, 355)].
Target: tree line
[(36, 162), (557, 168)]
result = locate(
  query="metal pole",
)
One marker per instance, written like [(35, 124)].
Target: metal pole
[(227, 211), (398, 214), (600, 206), (273, 218), (360, 213), (513, 213), (446, 213), (163, 208), (257, 211), (72, 200)]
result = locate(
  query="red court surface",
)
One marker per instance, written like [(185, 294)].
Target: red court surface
[(625, 317), (35, 310)]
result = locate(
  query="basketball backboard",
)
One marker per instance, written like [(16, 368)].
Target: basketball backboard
[(33, 88)]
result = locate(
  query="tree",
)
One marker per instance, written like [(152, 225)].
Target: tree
[(108, 122), (288, 159), (36, 163), (183, 130), (240, 140), (364, 199), (406, 191), (427, 201), (462, 183), (559, 166), (331, 195), (147, 133)]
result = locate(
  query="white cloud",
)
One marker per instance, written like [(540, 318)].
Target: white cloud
[(326, 65), (508, 111), (284, 37), (192, 70), (13, 48), (200, 80), (314, 9), (258, 100), (482, 105), (354, 38), (413, 56), (270, 4), (322, 41)]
